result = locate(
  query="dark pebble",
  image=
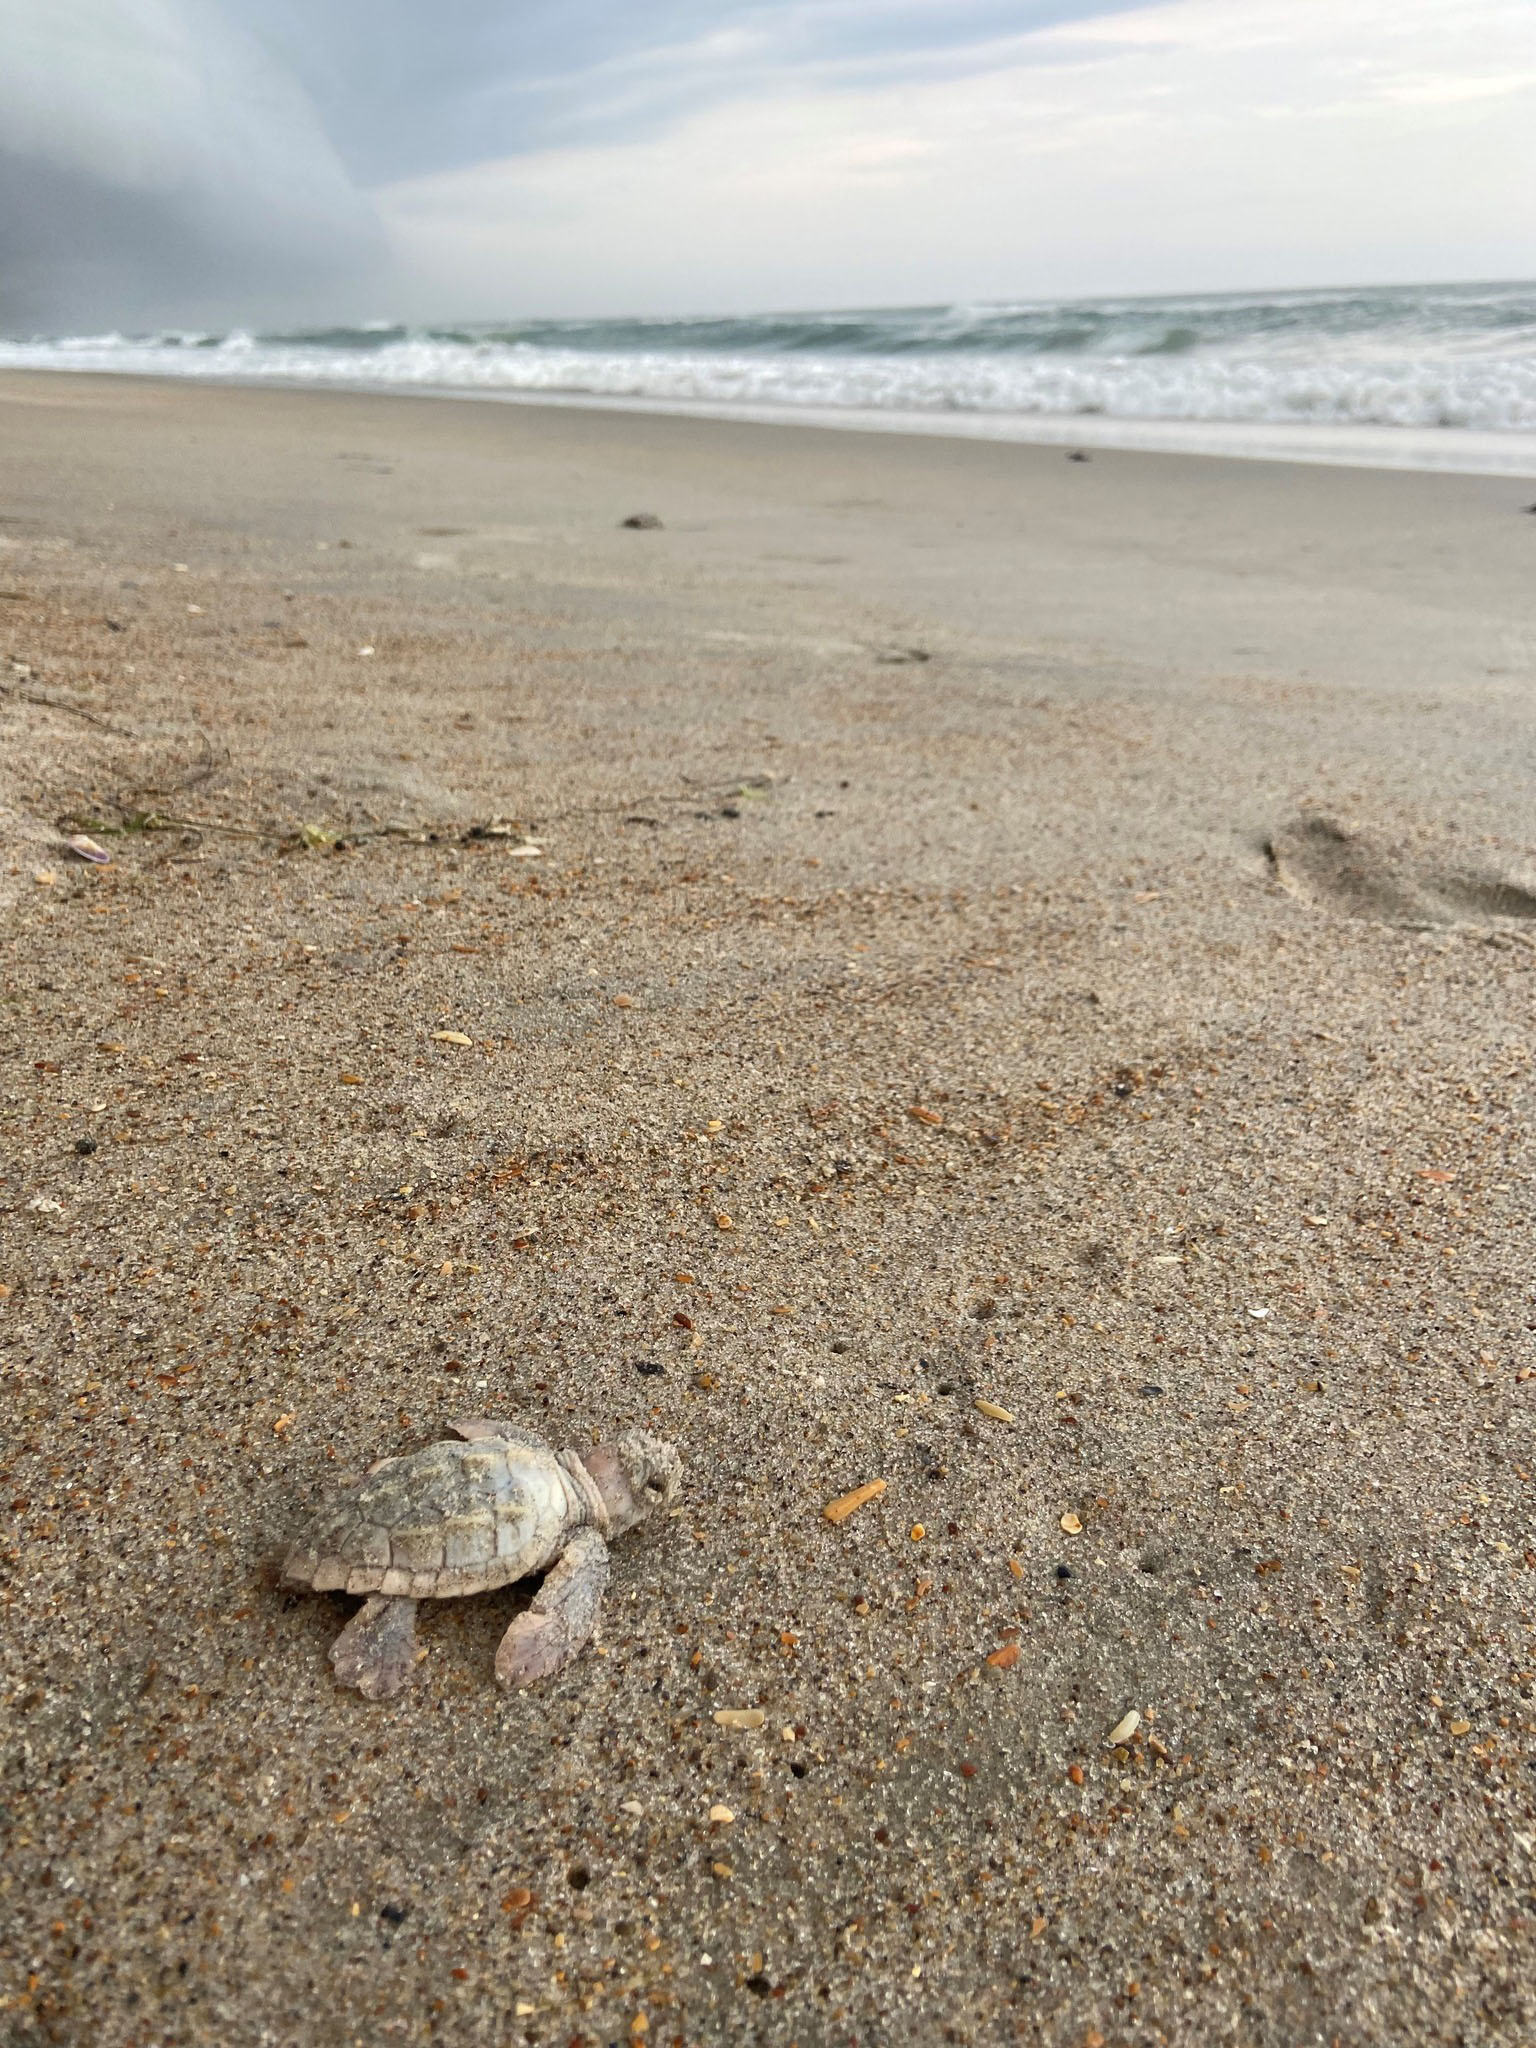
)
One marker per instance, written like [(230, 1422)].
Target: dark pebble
[(1063, 1571), (1152, 1391), (652, 1368), (85, 1147)]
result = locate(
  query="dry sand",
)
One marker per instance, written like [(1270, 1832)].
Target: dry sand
[(890, 776)]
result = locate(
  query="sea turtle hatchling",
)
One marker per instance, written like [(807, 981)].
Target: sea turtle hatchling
[(466, 1517)]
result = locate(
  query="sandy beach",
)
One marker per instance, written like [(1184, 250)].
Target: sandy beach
[(1025, 995)]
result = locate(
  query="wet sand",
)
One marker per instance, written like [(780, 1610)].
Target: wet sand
[(1055, 935)]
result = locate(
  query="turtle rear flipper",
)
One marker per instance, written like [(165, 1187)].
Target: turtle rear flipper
[(376, 1651)]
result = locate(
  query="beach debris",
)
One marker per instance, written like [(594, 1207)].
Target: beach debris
[(86, 849), (1078, 455), (641, 522), (837, 1511), (44, 877), (920, 1115), (1070, 1525), (1004, 1657), (452, 1038), (1123, 1730), (740, 1717), (315, 836), (992, 1411), (466, 1517), (721, 1816)]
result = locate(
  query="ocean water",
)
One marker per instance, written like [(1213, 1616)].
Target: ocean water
[(1427, 376)]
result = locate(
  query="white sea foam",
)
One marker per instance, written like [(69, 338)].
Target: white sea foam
[(1435, 377)]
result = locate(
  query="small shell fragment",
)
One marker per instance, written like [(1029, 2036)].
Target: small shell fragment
[(88, 849), (451, 1038), (740, 1717), (722, 1816), (991, 1409), (837, 1511), (1070, 1525), (1004, 1657), (1123, 1730)]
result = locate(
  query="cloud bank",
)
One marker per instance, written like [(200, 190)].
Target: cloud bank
[(209, 161), (155, 164), (1188, 145), (408, 90)]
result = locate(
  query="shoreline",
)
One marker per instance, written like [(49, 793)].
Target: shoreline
[(1428, 451)]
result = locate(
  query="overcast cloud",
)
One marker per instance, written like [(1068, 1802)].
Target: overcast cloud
[(406, 89), (253, 159)]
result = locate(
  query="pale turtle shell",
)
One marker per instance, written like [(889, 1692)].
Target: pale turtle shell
[(453, 1518)]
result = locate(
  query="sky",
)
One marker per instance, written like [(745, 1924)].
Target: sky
[(262, 161)]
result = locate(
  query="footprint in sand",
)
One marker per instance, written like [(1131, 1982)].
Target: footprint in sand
[(1358, 875)]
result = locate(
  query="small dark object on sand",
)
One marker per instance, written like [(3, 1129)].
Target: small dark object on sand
[(1530, 508), (644, 522), (85, 1147), (1079, 455)]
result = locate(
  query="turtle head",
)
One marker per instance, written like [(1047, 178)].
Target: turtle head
[(637, 1476)]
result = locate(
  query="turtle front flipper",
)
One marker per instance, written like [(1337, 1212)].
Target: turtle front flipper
[(563, 1615), (480, 1428), (376, 1651)]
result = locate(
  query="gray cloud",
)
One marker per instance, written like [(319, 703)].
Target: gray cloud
[(156, 165), (199, 161), (406, 90)]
